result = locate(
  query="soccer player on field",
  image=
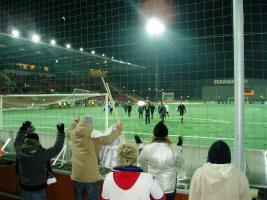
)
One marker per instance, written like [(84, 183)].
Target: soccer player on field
[(147, 113), (181, 109)]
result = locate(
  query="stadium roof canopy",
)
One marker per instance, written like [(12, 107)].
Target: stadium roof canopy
[(57, 58)]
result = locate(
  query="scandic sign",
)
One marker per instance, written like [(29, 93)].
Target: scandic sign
[(226, 81)]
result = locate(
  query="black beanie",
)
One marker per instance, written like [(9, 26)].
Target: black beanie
[(219, 153), (160, 130), (33, 136)]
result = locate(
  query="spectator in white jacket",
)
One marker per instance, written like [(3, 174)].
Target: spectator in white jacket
[(161, 158), (219, 179)]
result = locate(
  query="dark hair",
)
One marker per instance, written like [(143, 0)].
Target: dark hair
[(160, 130), (219, 153)]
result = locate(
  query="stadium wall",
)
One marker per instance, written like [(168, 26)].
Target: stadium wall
[(222, 89)]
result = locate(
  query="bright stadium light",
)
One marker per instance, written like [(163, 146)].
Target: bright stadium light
[(81, 49), (154, 26), (103, 54), (53, 42), (68, 46), (15, 33), (93, 52), (35, 38)]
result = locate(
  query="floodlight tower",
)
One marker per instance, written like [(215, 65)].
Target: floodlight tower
[(155, 28)]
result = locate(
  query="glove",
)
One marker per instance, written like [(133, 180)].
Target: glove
[(25, 125), (60, 128), (137, 139), (180, 141)]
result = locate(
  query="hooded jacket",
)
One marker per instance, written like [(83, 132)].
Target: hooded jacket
[(130, 183), (220, 182), (85, 151), (33, 165), (162, 161)]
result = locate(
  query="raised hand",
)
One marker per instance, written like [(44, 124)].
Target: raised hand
[(60, 128), (180, 141), (137, 139), (25, 125)]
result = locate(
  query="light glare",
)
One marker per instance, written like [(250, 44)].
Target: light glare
[(53, 42), (15, 33), (93, 52), (35, 38), (155, 27), (141, 103), (68, 46)]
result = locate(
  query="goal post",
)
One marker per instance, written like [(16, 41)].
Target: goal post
[(46, 110), (167, 97)]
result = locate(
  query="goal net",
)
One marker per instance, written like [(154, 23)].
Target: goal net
[(167, 96), (46, 110)]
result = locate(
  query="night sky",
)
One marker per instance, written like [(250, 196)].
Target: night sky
[(197, 44)]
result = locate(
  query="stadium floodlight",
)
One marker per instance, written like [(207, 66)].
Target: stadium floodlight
[(53, 42), (68, 46), (35, 38), (15, 33), (93, 52), (81, 49), (103, 54), (154, 26)]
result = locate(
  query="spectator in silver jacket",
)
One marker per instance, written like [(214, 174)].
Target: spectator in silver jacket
[(161, 158)]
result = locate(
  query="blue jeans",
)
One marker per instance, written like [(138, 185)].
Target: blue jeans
[(170, 196), (30, 195), (92, 190)]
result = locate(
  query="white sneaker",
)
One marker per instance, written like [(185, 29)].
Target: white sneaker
[(51, 180)]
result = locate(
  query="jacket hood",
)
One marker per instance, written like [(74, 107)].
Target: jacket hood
[(215, 173), (84, 126), (126, 177), (125, 180)]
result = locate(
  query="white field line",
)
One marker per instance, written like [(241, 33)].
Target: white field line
[(199, 119), (257, 123), (227, 122), (150, 134), (189, 136)]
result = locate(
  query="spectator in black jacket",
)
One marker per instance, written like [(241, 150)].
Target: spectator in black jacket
[(32, 160)]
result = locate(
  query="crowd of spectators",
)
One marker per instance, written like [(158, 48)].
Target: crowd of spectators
[(142, 171)]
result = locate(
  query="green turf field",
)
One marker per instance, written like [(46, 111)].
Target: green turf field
[(203, 123)]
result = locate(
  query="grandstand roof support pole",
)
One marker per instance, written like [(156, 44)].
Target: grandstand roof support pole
[(1, 112), (106, 111), (238, 34)]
